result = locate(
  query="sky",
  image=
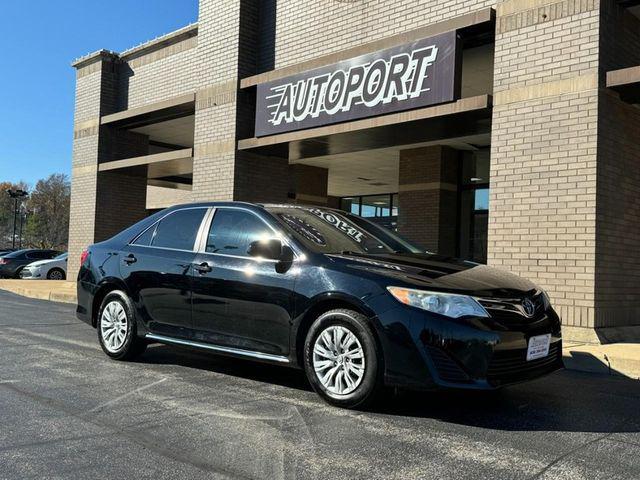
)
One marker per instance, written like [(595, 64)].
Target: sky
[(39, 40)]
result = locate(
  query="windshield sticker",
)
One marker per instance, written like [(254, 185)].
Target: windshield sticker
[(303, 228), (339, 224)]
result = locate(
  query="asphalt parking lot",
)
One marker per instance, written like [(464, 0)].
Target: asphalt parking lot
[(67, 411)]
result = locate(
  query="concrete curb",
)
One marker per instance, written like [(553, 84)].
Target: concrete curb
[(620, 359), (55, 291)]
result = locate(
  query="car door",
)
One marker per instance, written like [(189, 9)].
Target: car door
[(156, 268), (241, 301)]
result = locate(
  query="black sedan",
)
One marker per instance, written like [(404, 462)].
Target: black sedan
[(353, 304), (12, 263)]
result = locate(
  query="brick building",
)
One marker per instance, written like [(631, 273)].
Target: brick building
[(510, 133)]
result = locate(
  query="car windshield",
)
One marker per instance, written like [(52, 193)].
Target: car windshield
[(331, 231), (62, 256)]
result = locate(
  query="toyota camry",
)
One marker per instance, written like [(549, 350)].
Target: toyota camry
[(350, 302)]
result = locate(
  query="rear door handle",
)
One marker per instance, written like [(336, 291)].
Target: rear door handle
[(129, 259), (203, 267)]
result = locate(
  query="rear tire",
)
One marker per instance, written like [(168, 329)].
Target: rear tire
[(342, 359), (56, 274), (116, 325)]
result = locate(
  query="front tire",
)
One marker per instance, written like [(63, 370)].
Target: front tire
[(56, 274), (342, 359), (116, 327)]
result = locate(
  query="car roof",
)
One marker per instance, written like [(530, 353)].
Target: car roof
[(28, 250)]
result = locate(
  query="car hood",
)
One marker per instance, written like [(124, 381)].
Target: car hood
[(40, 263), (424, 270)]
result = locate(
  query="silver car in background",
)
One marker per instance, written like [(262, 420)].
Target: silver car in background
[(53, 269)]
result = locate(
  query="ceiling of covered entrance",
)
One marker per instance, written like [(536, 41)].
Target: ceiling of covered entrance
[(376, 171)]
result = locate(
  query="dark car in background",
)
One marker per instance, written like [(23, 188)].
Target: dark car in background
[(353, 304), (12, 263)]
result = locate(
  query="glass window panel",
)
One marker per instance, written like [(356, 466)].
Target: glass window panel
[(481, 201), (376, 206), (145, 238), (475, 167), (233, 230), (350, 204), (178, 230)]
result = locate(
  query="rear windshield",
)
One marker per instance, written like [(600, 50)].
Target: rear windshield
[(16, 254)]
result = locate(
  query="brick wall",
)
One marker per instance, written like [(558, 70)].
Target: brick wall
[(305, 29), (543, 154), (168, 73)]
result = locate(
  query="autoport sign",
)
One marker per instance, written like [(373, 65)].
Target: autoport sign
[(417, 74)]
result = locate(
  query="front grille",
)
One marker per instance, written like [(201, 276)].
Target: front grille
[(511, 365), (512, 309), (447, 369), (26, 273)]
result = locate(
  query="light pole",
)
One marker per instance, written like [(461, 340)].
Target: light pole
[(23, 218), (15, 194)]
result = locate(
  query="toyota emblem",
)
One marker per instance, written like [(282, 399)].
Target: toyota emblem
[(529, 307)]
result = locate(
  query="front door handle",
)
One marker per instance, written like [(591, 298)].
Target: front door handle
[(203, 268), (129, 259)]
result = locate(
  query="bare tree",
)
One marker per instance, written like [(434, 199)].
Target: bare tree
[(48, 213)]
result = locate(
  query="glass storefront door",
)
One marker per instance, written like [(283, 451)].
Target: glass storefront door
[(474, 206)]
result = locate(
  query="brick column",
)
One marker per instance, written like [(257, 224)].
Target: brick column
[(309, 184), (617, 293), (101, 203), (428, 197), (542, 218)]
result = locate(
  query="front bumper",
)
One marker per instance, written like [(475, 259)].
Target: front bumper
[(426, 351), (31, 273)]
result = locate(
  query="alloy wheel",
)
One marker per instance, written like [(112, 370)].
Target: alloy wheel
[(55, 275), (113, 326), (338, 360)]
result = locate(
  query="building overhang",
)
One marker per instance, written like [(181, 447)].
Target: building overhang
[(465, 117), (626, 82), (172, 108), (175, 166)]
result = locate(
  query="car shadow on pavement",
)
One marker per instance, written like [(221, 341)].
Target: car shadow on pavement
[(192, 358), (566, 400)]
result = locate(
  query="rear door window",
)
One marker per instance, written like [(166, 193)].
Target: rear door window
[(146, 237), (179, 229)]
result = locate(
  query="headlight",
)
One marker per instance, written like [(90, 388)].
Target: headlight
[(448, 304)]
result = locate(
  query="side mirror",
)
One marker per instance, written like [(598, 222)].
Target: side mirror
[(271, 249)]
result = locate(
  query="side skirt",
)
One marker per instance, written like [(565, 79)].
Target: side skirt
[(217, 348)]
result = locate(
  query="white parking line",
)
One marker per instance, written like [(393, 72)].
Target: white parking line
[(128, 394), (54, 338)]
